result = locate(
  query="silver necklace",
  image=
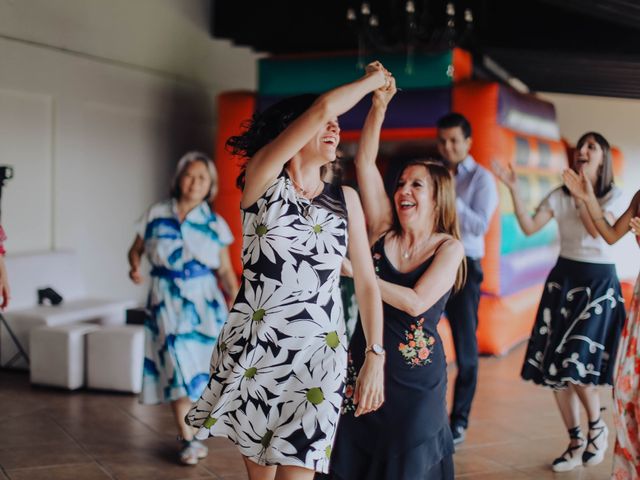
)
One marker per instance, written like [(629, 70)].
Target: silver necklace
[(303, 191), (306, 206), (407, 253)]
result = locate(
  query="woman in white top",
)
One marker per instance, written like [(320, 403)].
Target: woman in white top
[(573, 343)]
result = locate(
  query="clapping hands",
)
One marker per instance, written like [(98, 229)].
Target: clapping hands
[(578, 184)]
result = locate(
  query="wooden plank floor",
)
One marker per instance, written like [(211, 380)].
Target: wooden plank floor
[(48, 434)]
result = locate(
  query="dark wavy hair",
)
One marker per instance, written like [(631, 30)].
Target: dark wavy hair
[(264, 127), (444, 196)]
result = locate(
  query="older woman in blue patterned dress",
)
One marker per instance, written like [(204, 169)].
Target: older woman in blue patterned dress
[(186, 244)]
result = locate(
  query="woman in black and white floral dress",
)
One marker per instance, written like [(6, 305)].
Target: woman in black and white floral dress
[(278, 369)]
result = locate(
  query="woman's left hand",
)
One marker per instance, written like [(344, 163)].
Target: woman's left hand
[(369, 394), (634, 224), (382, 96)]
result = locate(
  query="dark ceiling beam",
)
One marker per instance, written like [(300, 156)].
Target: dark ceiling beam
[(621, 12), (568, 46), (586, 74)]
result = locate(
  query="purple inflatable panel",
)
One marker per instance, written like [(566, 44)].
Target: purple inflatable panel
[(525, 268), (409, 109), (527, 114)]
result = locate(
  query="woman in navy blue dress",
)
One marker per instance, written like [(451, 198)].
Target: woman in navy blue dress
[(418, 258)]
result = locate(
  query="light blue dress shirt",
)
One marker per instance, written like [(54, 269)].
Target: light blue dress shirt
[(477, 199)]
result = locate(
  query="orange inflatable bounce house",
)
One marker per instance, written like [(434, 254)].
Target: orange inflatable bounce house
[(508, 127)]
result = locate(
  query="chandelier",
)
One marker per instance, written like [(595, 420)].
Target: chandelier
[(408, 26)]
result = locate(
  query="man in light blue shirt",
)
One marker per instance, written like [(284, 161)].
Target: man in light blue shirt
[(477, 199)]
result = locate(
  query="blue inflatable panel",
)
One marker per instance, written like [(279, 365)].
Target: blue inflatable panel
[(520, 270), (514, 240)]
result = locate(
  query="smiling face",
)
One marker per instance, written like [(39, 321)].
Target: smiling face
[(324, 143), (413, 198), (588, 158), (195, 182), (453, 145)]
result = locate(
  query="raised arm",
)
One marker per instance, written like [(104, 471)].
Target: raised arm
[(369, 393), (269, 161), (581, 188), (529, 224), (376, 204), (433, 284)]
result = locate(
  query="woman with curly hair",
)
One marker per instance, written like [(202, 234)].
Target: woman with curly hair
[(278, 369)]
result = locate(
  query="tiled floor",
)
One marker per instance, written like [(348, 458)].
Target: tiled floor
[(50, 434)]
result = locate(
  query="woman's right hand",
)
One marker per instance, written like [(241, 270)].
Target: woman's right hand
[(579, 185), (369, 392), (505, 175), (634, 225), (376, 69), (135, 276)]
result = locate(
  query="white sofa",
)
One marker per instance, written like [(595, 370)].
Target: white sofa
[(59, 270)]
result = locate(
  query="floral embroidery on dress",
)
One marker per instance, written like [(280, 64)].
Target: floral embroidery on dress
[(417, 350), (350, 387), (376, 263)]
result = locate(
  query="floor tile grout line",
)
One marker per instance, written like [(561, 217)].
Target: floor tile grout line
[(85, 450), (145, 424), (215, 475), (44, 467)]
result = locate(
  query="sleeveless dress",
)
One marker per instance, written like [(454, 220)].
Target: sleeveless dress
[(278, 368), (408, 438)]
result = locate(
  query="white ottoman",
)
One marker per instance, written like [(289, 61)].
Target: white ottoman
[(115, 357), (58, 354), (99, 311)]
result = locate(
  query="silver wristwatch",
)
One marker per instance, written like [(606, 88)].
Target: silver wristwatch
[(375, 348)]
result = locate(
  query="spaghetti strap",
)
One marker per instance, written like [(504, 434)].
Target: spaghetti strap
[(439, 245)]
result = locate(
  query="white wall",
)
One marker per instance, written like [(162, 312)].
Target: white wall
[(98, 99), (617, 119)]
